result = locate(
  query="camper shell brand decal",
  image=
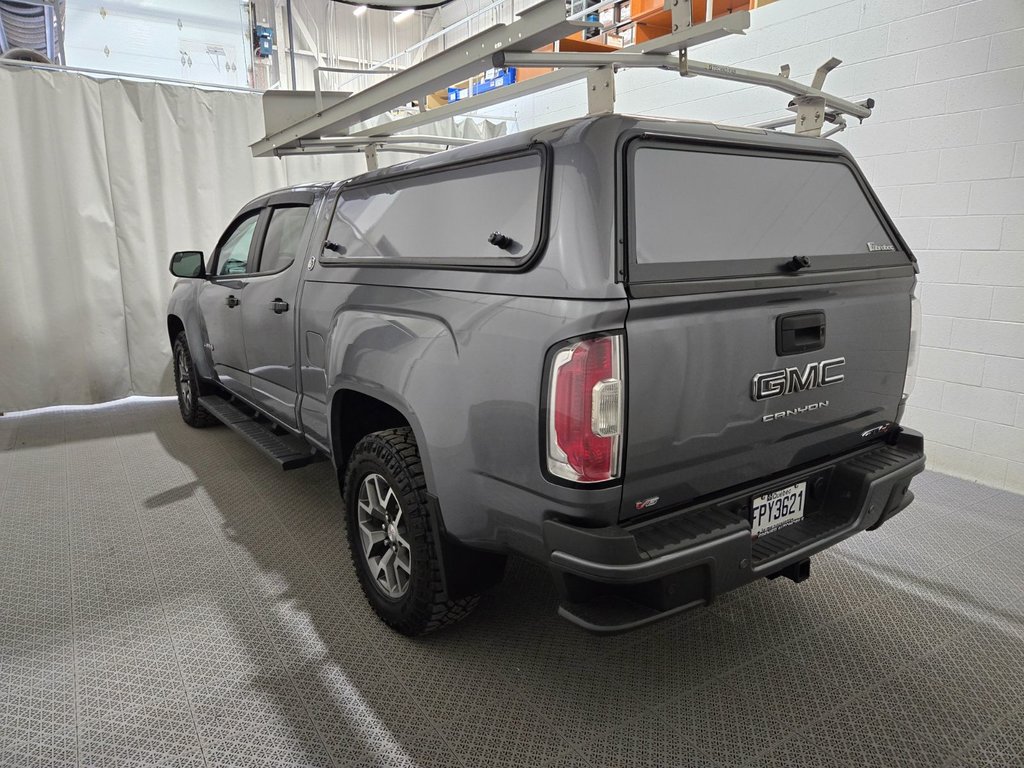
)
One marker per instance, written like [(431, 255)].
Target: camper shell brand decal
[(788, 380)]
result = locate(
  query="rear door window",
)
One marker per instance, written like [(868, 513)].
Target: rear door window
[(444, 217), (712, 212), (283, 239)]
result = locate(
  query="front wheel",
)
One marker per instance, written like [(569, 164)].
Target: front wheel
[(391, 536), (186, 382)]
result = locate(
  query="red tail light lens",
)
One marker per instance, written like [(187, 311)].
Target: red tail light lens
[(585, 411)]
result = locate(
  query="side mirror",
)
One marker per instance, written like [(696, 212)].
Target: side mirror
[(188, 264)]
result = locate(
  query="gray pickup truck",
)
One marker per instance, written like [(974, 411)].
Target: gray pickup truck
[(662, 358)]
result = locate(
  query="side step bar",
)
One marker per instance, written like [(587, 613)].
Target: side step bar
[(289, 452)]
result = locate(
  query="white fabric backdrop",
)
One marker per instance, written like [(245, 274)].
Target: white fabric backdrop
[(102, 181)]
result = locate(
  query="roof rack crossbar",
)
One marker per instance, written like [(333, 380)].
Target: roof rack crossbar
[(835, 118)]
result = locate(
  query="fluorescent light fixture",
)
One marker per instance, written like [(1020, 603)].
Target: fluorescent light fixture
[(403, 15), (359, 10)]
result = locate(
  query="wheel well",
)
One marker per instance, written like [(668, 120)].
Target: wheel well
[(355, 415), (174, 327)]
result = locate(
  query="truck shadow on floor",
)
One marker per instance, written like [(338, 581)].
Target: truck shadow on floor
[(516, 685)]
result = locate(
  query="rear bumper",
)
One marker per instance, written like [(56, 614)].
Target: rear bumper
[(621, 577)]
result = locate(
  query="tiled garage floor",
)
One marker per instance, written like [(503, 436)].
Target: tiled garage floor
[(167, 597)]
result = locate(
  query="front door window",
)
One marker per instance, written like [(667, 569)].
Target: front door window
[(233, 257)]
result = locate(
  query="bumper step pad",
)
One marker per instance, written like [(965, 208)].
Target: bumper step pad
[(621, 577)]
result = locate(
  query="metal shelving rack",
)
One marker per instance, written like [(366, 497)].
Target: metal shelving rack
[(334, 125)]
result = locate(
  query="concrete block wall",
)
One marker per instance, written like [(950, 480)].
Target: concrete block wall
[(944, 149)]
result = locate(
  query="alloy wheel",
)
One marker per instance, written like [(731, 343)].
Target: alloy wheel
[(382, 533)]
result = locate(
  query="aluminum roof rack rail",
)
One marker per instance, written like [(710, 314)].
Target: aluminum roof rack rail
[(415, 144), (812, 105), (334, 123)]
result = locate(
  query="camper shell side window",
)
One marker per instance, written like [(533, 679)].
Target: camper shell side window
[(486, 213)]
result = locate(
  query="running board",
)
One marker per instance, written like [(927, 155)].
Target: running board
[(289, 452)]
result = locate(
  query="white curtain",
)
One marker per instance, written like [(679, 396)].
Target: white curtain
[(101, 181)]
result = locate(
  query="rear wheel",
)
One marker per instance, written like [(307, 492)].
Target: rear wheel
[(187, 384), (392, 538)]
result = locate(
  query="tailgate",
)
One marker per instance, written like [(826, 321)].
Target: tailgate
[(740, 366)]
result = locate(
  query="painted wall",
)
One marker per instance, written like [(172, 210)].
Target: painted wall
[(945, 150)]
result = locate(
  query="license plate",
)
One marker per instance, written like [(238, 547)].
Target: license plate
[(777, 509)]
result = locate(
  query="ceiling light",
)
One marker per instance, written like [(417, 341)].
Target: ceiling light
[(403, 15), (359, 10)]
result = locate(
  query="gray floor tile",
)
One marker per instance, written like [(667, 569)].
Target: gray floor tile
[(167, 597)]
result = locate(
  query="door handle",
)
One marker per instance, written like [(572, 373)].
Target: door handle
[(279, 306), (232, 301)]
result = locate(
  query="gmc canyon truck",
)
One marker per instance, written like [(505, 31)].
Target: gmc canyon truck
[(663, 358)]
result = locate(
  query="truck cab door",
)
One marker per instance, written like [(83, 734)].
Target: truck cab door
[(222, 297), (269, 313)]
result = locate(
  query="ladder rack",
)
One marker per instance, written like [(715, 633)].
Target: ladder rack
[(336, 126)]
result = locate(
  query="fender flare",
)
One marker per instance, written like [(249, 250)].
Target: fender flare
[(184, 305)]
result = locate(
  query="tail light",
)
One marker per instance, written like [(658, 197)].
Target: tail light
[(585, 419), (915, 346)]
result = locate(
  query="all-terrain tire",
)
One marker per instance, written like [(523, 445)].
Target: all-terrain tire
[(425, 606), (188, 386)]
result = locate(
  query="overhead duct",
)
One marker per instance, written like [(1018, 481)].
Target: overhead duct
[(32, 27), (25, 54)]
